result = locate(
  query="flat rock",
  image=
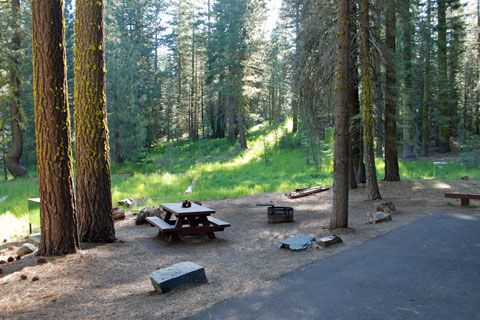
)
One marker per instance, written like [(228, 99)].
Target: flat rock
[(329, 240), (299, 242), (178, 276), (381, 217), (25, 249)]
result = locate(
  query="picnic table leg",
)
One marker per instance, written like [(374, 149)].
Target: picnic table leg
[(207, 223), (465, 202)]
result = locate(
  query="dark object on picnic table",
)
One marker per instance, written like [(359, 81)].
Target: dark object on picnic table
[(186, 204), (299, 193), (277, 214)]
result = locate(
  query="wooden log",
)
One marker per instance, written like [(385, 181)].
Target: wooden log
[(306, 192)]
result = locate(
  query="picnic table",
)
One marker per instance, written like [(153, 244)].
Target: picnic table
[(178, 220)]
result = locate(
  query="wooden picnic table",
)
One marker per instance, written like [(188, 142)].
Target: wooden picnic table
[(193, 220)]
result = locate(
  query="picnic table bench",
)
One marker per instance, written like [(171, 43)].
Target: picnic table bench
[(464, 197), (193, 220)]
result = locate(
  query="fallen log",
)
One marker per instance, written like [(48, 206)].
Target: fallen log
[(305, 192), (131, 202)]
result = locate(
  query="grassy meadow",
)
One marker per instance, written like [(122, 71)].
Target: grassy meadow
[(274, 161)]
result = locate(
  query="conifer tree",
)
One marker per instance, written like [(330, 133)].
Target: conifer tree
[(93, 189)]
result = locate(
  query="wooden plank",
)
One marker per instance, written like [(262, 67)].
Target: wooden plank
[(177, 209), (462, 195), (306, 192), (160, 224), (218, 222)]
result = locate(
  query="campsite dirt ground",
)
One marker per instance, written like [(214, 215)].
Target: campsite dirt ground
[(112, 281)]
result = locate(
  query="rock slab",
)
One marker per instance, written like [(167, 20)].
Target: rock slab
[(178, 276), (381, 217), (329, 240), (299, 242)]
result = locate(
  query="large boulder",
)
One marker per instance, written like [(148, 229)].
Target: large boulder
[(178, 276), (25, 249)]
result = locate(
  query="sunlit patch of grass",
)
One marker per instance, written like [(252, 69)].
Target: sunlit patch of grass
[(12, 225)]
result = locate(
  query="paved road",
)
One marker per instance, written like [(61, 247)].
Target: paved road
[(427, 270)]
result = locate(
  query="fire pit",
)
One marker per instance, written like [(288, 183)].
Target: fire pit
[(278, 214)]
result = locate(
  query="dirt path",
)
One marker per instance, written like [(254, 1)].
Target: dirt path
[(112, 281)]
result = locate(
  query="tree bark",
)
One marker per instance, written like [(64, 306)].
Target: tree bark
[(426, 84), (54, 155), (391, 153), (443, 122), (339, 218), (367, 114), (15, 154), (94, 198), (355, 125), (408, 131)]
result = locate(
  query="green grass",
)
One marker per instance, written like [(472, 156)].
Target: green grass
[(221, 170)]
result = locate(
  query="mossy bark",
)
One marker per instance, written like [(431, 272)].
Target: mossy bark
[(94, 198), (391, 153), (52, 130), (367, 112), (13, 157), (339, 218)]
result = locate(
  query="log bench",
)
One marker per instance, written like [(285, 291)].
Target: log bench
[(464, 197)]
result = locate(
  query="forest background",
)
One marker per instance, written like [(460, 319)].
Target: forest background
[(191, 82)]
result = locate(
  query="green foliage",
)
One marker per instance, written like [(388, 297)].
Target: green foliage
[(470, 153)]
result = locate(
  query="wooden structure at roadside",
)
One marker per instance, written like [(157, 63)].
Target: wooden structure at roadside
[(464, 197)]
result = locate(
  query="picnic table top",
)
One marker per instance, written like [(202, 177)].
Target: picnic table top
[(177, 209)]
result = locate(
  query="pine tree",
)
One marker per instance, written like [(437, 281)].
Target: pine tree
[(93, 189), (367, 115), (55, 174), (339, 217)]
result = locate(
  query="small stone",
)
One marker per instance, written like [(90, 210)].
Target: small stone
[(3, 261), (25, 249), (329, 240), (178, 276), (11, 248), (5, 240), (41, 261), (23, 277), (148, 212), (10, 259), (381, 217), (118, 213), (299, 242), (19, 257), (35, 278), (387, 207)]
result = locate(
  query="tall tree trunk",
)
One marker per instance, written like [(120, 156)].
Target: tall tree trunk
[(367, 114), (477, 108), (443, 123), (408, 131), (339, 217), (355, 126), (296, 80), (54, 154), (94, 197), (391, 153), (426, 84), (15, 154), (241, 129)]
